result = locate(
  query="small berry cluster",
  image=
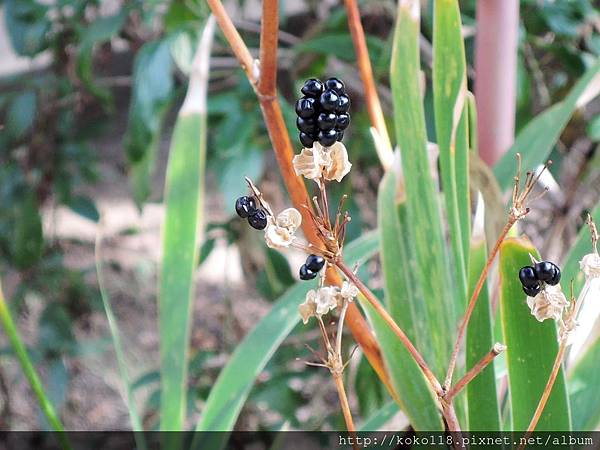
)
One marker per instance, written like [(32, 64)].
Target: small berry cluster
[(533, 277), (322, 112), (246, 208), (312, 266)]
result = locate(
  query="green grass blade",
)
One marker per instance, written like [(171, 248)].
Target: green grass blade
[(538, 138), (532, 347), (235, 381), (422, 205), (184, 192), (378, 419), (482, 398), (583, 390), (449, 94), (581, 247), (29, 370), (136, 423)]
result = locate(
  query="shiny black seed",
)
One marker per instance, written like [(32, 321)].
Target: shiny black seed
[(335, 84), (306, 125), (340, 136), (532, 291), (528, 277), (327, 137), (258, 220), (306, 273), (545, 271), (306, 107), (245, 206), (329, 100), (342, 121), (306, 139), (314, 263), (312, 87), (556, 278), (343, 104), (326, 121)]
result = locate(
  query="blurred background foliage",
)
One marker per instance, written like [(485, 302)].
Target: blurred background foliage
[(102, 57)]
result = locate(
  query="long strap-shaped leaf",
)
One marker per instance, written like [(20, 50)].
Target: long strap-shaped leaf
[(422, 204), (538, 138), (413, 391), (532, 347), (184, 194), (583, 390), (449, 94), (250, 357)]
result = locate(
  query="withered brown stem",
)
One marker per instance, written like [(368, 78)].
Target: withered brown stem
[(476, 370)]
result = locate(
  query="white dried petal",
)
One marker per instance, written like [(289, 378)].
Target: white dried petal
[(548, 304), (590, 265), (326, 299), (311, 162), (348, 291), (290, 219), (309, 307), (340, 165), (278, 237)]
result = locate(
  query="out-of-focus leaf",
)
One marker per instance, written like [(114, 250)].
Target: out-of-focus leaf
[(21, 114), (482, 398), (422, 202), (85, 207), (538, 138), (338, 45), (250, 357), (380, 418), (593, 129), (152, 91), (27, 25), (449, 92), (276, 277), (28, 239), (369, 390), (99, 31), (532, 347), (206, 249), (583, 390)]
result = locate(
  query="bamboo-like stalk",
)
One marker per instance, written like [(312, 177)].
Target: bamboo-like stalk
[(30, 373), (384, 151), (284, 152)]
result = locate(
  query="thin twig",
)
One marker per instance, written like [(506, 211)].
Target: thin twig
[(339, 384), (384, 151), (269, 32), (476, 370), (392, 324), (473, 301)]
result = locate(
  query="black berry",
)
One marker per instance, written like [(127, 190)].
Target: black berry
[(528, 277), (258, 220), (312, 88), (335, 84), (340, 136), (343, 104), (342, 121), (306, 139), (314, 263), (306, 107), (306, 273), (245, 206), (532, 291), (556, 278), (329, 100), (327, 137), (545, 271), (326, 121), (306, 125)]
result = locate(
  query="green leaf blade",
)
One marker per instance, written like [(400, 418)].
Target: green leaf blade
[(532, 347), (584, 394)]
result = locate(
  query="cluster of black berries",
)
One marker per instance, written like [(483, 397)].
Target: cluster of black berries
[(322, 112), (312, 266), (246, 208), (542, 272)]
